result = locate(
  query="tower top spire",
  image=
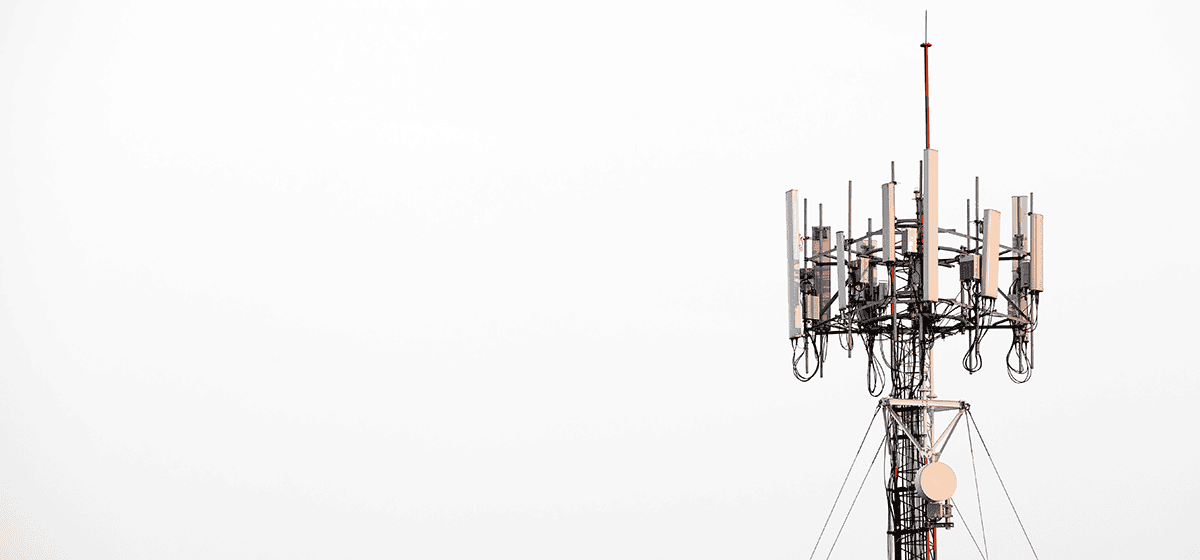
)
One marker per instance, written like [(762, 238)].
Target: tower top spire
[(926, 46)]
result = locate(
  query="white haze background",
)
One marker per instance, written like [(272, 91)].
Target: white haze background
[(464, 279)]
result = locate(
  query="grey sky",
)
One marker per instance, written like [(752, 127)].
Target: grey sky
[(451, 279)]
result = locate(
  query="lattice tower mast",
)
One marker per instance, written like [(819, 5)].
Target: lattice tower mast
[(882, 288)]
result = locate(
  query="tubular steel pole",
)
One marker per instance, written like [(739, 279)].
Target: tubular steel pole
[(921, 335), (926, 47)]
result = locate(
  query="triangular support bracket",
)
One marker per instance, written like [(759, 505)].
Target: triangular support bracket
[(933, 451)]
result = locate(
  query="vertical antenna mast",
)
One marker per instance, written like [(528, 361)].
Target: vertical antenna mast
[(926, 46)]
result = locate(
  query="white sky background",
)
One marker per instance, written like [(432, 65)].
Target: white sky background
[(447, 280)]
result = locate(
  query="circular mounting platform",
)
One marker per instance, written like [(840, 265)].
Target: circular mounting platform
[(936, 481)]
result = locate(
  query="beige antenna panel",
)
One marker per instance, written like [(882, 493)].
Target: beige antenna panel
[(1035, 252), (796, 265), (889, 222), (929, 207), (991, 253)]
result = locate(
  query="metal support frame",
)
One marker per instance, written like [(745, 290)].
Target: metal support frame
[(928, 451)]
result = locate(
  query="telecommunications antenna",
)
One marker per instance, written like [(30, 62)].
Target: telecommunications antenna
[(890, 289)]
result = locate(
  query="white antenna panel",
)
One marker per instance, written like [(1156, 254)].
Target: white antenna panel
[(929, 207), (991, 252), (1035, 252), (1020, 224), (889, 222), (1020, 232), (795, 264), (841, 268)]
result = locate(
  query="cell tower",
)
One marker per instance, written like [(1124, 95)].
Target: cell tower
[(883, 288)]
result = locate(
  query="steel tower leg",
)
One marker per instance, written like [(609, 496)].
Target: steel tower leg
[(907, 518), (909, 527)]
